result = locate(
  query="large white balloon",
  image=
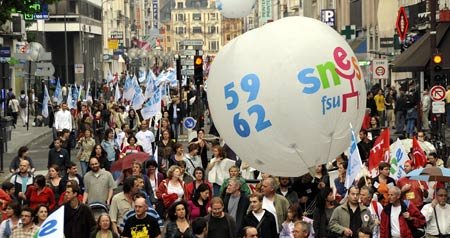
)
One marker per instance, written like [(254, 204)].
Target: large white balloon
[(282, 96), (235, 8)]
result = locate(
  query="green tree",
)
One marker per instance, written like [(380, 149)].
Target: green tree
[(23, 6)]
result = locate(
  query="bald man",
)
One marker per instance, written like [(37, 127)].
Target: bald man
[(22, 180), (141, 225), (400, 219)]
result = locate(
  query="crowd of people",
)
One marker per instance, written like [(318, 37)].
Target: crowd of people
[(182, 191)]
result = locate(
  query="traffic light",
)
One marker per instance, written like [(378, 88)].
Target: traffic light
[(439, 75), (198, 69)]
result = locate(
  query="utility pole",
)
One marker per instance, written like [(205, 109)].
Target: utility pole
[(66, 51), (433, 48)]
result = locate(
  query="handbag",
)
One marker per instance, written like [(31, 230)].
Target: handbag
[(417, 232), (437, 224)]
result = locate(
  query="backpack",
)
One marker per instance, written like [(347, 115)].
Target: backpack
[(23, 102)]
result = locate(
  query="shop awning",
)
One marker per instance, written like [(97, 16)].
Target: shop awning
[(417, 57)]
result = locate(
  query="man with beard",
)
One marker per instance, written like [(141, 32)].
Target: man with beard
[(99, 184), (236, 202), (220, 224)]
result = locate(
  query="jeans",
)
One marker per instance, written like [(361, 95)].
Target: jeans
[(399, 121), (84, 167), (175, 127), (447, 111), (410, 127)]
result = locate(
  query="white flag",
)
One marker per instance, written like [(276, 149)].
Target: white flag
[(117, 93), (398, 159), (45, 102), (69, 99), (354, 162), (128, 89), (53, 226), (153, 106)]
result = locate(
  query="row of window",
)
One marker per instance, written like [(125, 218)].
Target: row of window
[(197, 30), (181, 17)]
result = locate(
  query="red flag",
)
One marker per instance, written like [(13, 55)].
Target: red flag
[(379, 152), (419, 157)]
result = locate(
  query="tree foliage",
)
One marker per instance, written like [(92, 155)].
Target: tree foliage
[(23, 6)]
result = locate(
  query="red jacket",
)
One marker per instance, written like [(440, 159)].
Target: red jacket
[(417, 220), (168, 198), (189, 189), (46, 197)]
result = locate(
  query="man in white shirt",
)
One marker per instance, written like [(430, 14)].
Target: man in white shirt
[(146, 138), (63, 119), (426, 106), (440, 209), (277, 204), (23, 107)]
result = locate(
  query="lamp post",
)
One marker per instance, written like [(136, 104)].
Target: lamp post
[(136, 55), (35, 49)]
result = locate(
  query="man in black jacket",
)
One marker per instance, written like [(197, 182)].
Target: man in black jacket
[(220, 224), (235, 202), (79, 220), (58, 156), (263, 220), (400, 112)]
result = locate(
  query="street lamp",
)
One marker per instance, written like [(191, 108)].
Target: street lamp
[(35, 49), (136, 55)]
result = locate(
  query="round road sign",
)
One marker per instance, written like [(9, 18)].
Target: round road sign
[(437, 93), (380, 71), (189, 123)]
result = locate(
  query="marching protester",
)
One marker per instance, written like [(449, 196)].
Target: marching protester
[(436, 215), (202, 193), (400, 219)]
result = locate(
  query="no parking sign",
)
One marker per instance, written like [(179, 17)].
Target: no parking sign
[(380, 69)]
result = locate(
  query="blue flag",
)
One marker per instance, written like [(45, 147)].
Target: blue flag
[(150, 87), (57, 95)]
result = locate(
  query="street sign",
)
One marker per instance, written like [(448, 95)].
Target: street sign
[(45, 56), (380, 67), (44, 69), (349, 32), (113, 44), (188, 72), (192, 42), (79, 68), (5, 52), (438, 107), (402, 23), (189, 123), (190, 52), (20, 56), (328, 16), (187, 62), (437, 93)]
